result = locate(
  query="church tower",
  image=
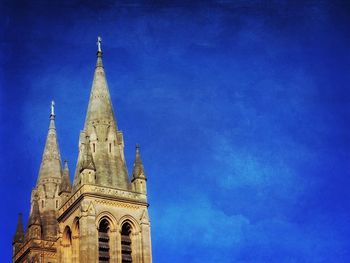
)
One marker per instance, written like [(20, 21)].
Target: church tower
[(103, 216)]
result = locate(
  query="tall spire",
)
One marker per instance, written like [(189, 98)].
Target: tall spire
[(105, 140), (138, 170), (100, 105), (19, 235), (51, 161)]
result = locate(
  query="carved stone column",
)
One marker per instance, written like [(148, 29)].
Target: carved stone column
[(88, 233), (112, 246), (59, 247), (119, 246), (146, 243), (136, 247), (75, 249)]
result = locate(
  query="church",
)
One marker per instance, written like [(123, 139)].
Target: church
[(103, 215)]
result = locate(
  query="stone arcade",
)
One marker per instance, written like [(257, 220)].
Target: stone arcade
[(103, 216)]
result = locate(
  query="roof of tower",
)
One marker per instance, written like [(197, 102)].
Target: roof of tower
[(51, 161), (138, 170), (100, 109), (106, 156), (34, 218), (19, 235), (66, 185)]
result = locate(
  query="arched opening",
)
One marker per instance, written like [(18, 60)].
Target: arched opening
[(75, 241), (126, 243), (103, 241), (67, 245)]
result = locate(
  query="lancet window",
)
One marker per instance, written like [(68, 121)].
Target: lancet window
[(126, 243), (103, 241)]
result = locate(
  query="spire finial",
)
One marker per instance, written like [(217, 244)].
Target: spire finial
[(138, 155), (99, 41), (52, 108)]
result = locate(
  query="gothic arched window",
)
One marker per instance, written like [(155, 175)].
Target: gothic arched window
[(126, 243), (103, 241)]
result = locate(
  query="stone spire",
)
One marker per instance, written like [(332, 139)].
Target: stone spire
[(46, 191), (87, 161), (35, 225), (51, 161), (34, 218), (105, 141), (19, 235), (138, 170), (65, 183), (138, 174), (100, 104)]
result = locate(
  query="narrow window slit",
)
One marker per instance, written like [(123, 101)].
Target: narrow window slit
[(126, 243), (103, 241)]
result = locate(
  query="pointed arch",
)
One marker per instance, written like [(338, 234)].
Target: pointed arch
[(132, 221), (67, 245), (75, 241), (129, 230)]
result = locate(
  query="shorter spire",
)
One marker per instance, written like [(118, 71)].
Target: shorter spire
[(138, 170), (34, 218), (51, 161), (19, 235), (65, 183)]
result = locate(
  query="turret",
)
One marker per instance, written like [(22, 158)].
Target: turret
[(138, 174), (19, 235), (34, 222), (65, 187), (87, 169), (18, 238)]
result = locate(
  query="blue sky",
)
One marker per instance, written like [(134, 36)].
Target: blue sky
[(241, 110)]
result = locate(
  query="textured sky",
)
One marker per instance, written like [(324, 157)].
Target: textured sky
[(241, 109)]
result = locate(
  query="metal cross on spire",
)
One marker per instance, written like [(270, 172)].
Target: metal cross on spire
[(52, 108), (99, 40)]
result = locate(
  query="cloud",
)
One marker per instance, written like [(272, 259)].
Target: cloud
[(199, 231), (196, 225), (199, 218), (269, 169)]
